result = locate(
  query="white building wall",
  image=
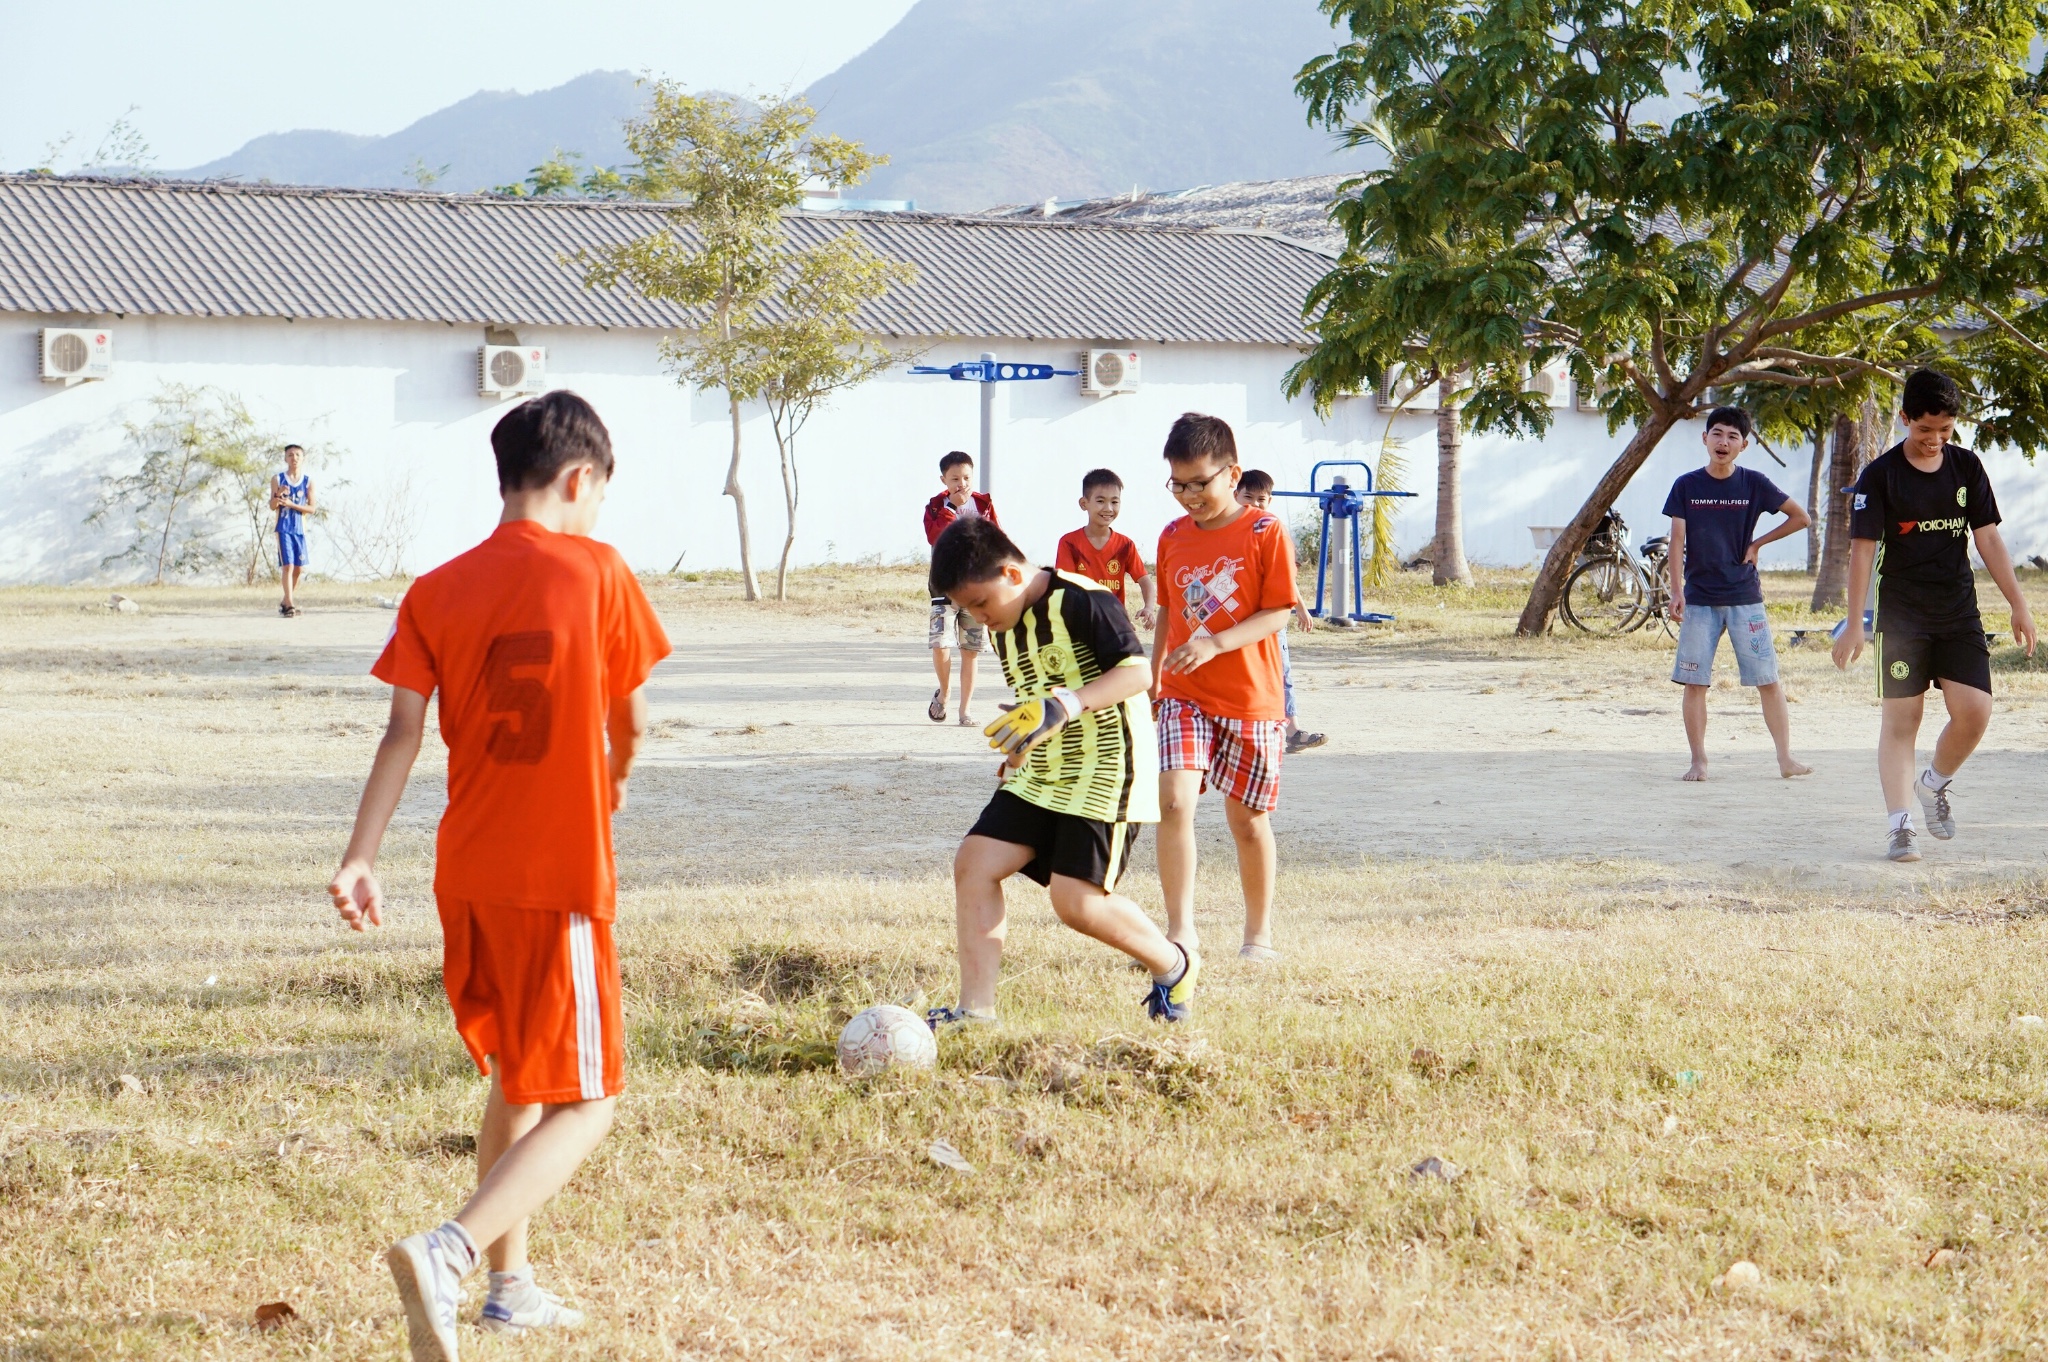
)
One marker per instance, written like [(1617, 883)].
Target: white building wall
[(400, 401)]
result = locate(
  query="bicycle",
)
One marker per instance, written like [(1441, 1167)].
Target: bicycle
[(1612, 591)]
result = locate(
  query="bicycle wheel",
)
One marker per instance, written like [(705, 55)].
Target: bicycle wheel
[(1604, 596)]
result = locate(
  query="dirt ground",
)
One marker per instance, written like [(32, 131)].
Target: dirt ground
[(797, 739)]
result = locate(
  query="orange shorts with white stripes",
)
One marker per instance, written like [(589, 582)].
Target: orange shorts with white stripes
[(536, 993)]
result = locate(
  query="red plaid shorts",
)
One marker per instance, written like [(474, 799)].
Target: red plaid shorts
[(1240, 757)]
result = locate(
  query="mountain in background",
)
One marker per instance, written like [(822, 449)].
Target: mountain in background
[(492, 138), (976, 103), (985, 102)]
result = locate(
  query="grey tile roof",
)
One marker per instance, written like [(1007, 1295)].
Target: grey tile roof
[(142, 247), (1298, 209)]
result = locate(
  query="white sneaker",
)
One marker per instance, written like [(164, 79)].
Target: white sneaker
[(1898, 845), (1934, 804), (534, 1308), (429, 1269)]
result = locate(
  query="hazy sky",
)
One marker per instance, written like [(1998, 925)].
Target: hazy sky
[(210, 74)]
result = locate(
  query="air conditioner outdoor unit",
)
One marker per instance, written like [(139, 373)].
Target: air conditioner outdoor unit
[(1553, 382), (68, 355), (1401, 392), (1106, 372), (511, 370)]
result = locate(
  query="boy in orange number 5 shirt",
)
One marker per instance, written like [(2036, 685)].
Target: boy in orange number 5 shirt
[(540, 642)]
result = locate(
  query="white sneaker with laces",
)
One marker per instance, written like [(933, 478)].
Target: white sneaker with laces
[(1934, 804), (428, 1269), (535, 1307), (1899, 845)]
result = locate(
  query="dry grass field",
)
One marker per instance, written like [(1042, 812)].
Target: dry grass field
[(1655, 1030)]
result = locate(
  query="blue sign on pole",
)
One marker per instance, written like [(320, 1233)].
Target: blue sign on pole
[(995, 371), (989, 371)]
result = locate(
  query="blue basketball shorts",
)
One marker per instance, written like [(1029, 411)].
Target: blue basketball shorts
[(291, 548)]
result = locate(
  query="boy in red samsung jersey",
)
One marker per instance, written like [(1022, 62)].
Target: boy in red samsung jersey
[(1228, 575), (539, 641), (1098, 552), (951, 627)]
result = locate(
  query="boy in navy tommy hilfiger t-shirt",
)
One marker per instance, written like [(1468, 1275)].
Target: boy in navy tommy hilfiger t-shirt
[(1714, 587)]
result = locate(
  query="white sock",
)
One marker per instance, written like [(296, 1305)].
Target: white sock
[(451, 1231), (512, 1285), (1934, 780), (1178, 972), (1903, 818)]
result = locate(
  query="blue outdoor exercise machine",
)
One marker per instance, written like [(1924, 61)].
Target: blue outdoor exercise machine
[(1344, 504), (989, 371)]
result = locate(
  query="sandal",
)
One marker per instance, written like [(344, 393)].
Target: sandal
[(936, 710), (965, 720)]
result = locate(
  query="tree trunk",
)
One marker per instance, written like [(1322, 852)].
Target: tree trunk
[(787, 448), (1447, 552), (1557, 564), (1814, 482), (750, 584), (1831, 586)]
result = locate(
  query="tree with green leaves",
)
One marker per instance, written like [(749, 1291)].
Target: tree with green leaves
[(808, 345), (1828, 187), (728, 170), (564, 176)]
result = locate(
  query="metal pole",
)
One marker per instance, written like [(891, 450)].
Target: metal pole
[(1340, 564), (988, 423)]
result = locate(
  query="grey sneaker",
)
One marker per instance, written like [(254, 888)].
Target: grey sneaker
[(1934, 803), (429, 1269), (535, 1308), (957, 1016), (1899, 846)]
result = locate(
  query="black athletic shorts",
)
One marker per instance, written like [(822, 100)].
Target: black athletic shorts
[(1909, 660), (1062, 843)]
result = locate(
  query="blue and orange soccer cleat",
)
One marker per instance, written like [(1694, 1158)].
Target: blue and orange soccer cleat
[(1175, 1003)]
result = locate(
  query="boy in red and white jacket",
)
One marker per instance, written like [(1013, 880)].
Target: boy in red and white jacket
[(950, 628)]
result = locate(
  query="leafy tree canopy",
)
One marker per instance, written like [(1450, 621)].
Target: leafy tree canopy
[(1848, 190)]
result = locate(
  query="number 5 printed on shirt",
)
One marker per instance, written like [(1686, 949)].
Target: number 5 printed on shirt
[(524, 741)]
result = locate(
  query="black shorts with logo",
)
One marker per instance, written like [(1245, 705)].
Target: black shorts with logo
[(1910, 659), (1061, 843)]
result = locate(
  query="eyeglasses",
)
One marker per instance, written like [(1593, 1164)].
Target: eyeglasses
[(1181, 489)]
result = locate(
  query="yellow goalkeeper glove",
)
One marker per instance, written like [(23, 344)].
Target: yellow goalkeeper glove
[(1026, 725)]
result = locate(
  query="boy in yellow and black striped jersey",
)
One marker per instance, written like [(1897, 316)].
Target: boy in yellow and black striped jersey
[(1080, 773)]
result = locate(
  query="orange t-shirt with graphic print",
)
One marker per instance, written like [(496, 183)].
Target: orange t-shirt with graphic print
[(1211, 580), (529, 637), (1113, 563)]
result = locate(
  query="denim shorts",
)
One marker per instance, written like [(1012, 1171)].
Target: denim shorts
[(1286, 675), (1749, 633)]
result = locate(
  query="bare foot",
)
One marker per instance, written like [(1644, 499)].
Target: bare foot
[(1789, 768), (1696, 771)]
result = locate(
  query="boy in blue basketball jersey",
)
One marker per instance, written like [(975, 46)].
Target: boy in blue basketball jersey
[(291, 496)]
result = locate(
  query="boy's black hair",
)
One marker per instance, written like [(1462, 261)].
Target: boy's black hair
[(1929, 393), (289, 448), (1255, 481), (970, 551), (543, 435), (1100, 477), (1195, 436), (957, 456), (1731, 416)]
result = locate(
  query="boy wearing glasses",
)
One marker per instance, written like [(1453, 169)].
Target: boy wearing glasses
[(1226, 573)]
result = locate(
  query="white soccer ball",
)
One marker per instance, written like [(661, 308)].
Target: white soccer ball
[(886, 1037)]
